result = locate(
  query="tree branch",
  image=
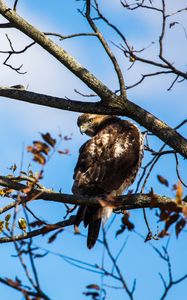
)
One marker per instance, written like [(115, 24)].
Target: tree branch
[(129, 109), (132, 201)]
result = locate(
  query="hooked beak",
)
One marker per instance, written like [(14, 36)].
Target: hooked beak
[(83, 129)]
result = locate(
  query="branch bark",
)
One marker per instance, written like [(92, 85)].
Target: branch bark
[(129, 109), (132, 201)]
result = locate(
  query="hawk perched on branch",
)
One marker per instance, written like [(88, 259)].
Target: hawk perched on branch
[(107, 165)]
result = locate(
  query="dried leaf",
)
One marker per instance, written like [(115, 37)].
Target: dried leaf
[(22, 224), (132, 59), (162, 180), (76, 229), (172, 219), (7, 217), (41, 147), (39, 158), (93, 286), (179, 193), (184, 211), (126, 222), (66, 151), (163, 233), (48, 139), (120, 231), (179, 226), (5, 192)]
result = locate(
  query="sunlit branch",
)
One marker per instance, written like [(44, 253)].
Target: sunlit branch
[(131, 201), (129, 109)]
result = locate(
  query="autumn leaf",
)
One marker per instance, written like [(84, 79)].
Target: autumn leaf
[(93, 286), (184, 211), (22, 224), (172, 219), (39, 158), (179, 226), (66, 151), (126, 222), (5, 192), (41, 147), (7, 217), (132, 59), (48, 139), (163, 233), (162, 180), (179, 193)]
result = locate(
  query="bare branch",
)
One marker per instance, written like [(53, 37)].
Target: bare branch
[(105, 45), (12, 52), (125, 202), (64, 37), (41, 231)]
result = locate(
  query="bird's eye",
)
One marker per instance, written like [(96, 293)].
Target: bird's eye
[(90, 121)]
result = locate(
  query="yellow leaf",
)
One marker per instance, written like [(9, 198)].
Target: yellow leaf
[(179, 193), (7, 217), (22, 224), (132, 59)]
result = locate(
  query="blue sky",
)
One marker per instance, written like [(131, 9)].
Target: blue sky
[(21, 124)]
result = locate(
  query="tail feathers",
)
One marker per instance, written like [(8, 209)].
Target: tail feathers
[(80, 215), (93, 231), (91, 217)]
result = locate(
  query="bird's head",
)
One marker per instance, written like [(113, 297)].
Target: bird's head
[(90, 123)]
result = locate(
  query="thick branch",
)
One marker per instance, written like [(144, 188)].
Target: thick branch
[(129, 109), (43, 230), (133, 201), (59, 53)]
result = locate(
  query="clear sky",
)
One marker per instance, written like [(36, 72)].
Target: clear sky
[(21, 123)]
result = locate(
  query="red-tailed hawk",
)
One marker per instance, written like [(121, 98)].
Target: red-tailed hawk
[(107, 165)]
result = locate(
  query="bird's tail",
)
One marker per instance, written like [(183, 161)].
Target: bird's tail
[(93, 229), (92, 217)]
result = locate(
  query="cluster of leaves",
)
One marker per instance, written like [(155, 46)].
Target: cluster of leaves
[(126, 223), (5, 224), (176, 215), (41, 149)]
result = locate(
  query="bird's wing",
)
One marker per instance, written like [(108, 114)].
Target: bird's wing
[(108, 160)]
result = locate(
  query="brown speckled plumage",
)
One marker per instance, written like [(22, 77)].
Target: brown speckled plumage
[(107, 165)]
